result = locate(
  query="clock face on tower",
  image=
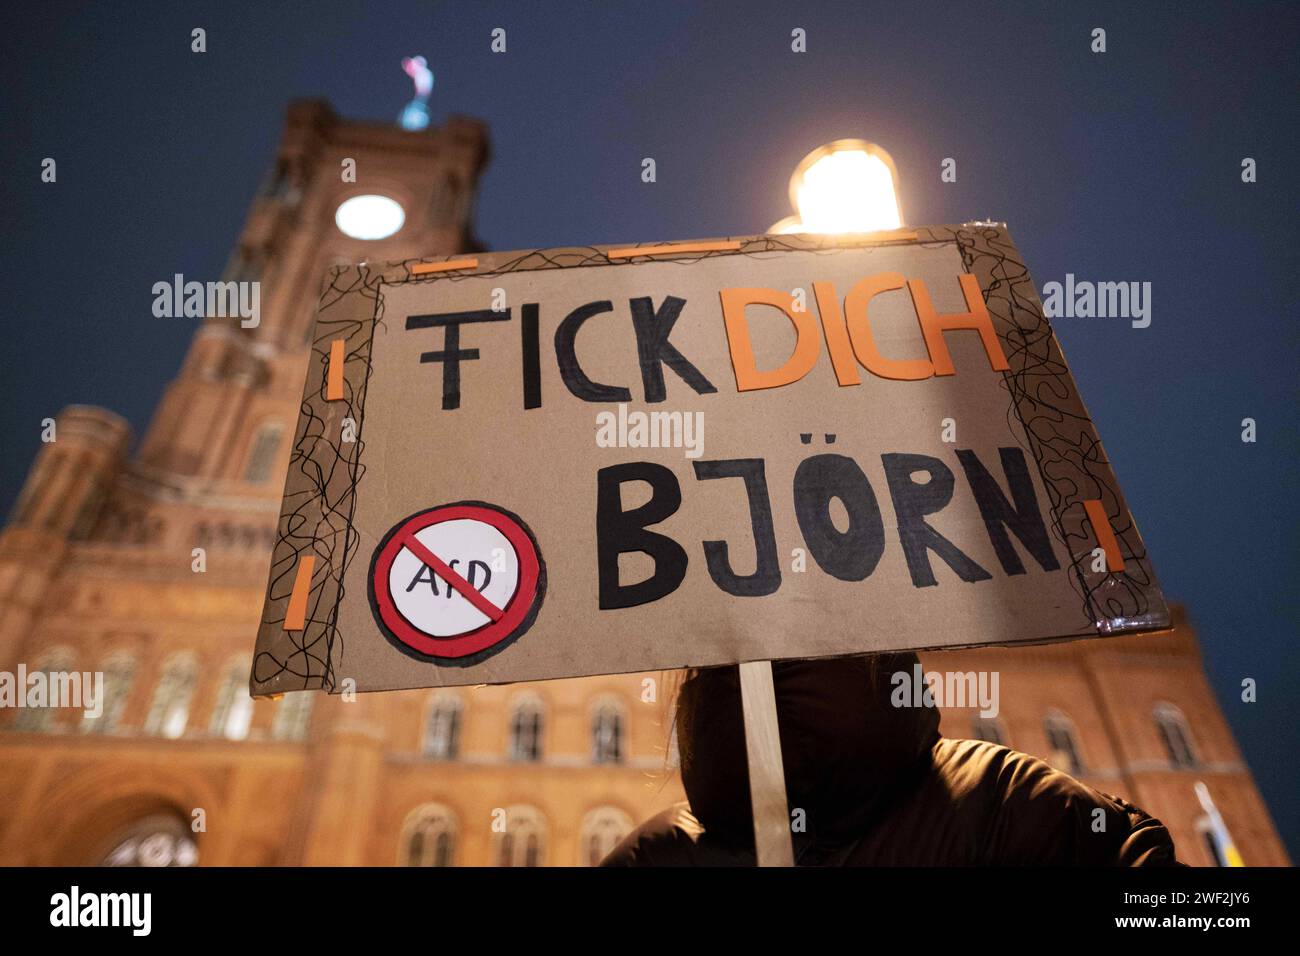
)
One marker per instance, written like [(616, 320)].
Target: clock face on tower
[(369, 217)]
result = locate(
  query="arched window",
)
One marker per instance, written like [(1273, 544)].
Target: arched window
[(262, 451), (170, 710), (526, 722), (1175, 734), (1062, 743), (524, 841), (442, 727), (50, 665), (119, 675), (429, 836), (602, 829), (293, 715), (161, 840), (989, 729), (233, 712), (607, 731)]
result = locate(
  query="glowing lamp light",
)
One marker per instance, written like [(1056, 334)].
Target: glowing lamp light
[(369, 217), (849, 185), (787, 225)]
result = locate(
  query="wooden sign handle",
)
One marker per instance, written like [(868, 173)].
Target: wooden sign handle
[(772, 841)]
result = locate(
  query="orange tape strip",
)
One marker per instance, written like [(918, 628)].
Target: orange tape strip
[(1105, 535), (295, 618), (670, 249), (895, 235), (424, 268), (334, 378)]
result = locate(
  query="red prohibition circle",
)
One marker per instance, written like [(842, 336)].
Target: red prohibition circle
[(503, 627)]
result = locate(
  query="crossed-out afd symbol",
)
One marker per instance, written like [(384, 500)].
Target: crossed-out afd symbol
[(457, 583)]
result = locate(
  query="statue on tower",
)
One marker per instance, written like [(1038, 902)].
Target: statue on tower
[(415, 115)]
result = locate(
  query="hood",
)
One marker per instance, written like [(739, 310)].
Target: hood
[(845, 748)]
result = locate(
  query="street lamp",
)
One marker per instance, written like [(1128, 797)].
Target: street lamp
[(849, 185)]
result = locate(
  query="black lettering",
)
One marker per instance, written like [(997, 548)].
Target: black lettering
[(912, 502), (848, 555), (767, 571), (531, 355), (487, 575), (619, 532), (451, 354), (566, 356), (1025, 520), (654, 350), (419, 576)]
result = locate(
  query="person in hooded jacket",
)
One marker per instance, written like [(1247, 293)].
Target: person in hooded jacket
[(877, 784)]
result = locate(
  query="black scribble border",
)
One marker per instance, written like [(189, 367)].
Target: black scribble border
[(1056, 429), (320, 493), (324, 471)]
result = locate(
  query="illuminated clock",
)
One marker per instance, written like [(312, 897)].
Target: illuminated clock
[(369, 217)]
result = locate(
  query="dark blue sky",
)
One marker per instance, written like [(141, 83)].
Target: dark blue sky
[(1122, 166)]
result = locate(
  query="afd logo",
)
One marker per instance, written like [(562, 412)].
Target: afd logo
[(75, 908)]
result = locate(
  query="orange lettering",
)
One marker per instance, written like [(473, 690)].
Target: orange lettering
[(864, 345), (837, 336), (934, 325), (807, 342)]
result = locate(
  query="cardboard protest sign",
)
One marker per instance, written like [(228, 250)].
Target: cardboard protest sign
[(598, 460)]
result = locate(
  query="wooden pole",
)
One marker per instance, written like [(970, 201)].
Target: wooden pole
[(772, 841)]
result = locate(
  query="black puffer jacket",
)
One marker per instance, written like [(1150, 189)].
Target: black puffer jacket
[(878, 785)]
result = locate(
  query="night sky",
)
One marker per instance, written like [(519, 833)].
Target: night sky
[(1119, 166)]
